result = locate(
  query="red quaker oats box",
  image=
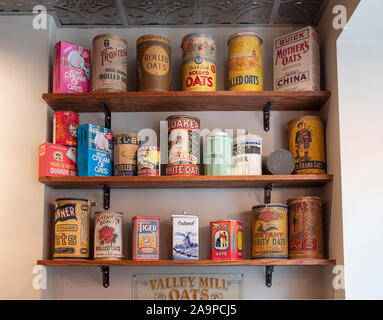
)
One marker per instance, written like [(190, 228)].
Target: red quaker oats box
[(297, 61), (57, 160)]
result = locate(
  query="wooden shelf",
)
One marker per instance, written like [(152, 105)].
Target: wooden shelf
[(171, 182), (188, 101), (200, 263)]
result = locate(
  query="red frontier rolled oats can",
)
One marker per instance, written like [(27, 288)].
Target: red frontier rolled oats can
[(226, 240), (65, 125)]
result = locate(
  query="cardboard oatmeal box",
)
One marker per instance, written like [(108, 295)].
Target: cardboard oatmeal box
[(297, 61), (57, 160)]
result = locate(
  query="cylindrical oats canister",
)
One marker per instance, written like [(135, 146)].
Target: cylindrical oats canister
[(153, 63), (108, 235), (125, 154), (198, 62), (306, 228), (148, 161), (65, 125), (247, 155), (109, 63), (269, 231), (183, 145), (71, 227), (218, 149), (245, 62), (307, 145)]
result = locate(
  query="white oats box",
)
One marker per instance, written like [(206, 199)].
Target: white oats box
[(185, 237), (297, 61)]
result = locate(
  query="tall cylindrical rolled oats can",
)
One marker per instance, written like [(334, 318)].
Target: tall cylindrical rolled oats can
[(125, 154)]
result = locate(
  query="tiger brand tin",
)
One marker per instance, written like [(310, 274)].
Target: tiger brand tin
[(245, 62), (226, 240), (247, 155), (109, 63), (125, 154), (148, 161), (185, 237), (183, 145), (307, 145), (305, 228), (65, 125), (269, 232), (146, 238), (218, 149), (72, 220), (153, 63), (108, 235), (198, 62)]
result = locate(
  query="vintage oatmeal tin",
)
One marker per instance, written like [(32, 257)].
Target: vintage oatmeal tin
[(153, 63), (148, 161), (108, 235), (218, 149), (198, 62), (57, 160), (185, 237), (247, 155), (71, 227), (183, 145), (245, 62), (306, 228), (307, 145), (65, 125), (226, 240), (109, 63), (146, 238), (125, 154), (269, 231)]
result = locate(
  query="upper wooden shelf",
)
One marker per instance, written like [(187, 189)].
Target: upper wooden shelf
[(188, 101)]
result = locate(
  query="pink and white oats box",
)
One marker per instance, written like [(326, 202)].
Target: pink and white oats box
[(71, 68)]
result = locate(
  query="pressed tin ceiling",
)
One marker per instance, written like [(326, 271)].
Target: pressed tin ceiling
[(123, 13)]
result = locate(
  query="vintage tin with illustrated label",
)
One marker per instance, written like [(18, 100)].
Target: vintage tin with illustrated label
[(247, 155), (218, 149), (125, 154), (183, 145), (185, 237), (307, 145), (109, 63), (198, 62), (305, 228), (72, 220), (148, 161), (146, 238), (153, 63), (65, 125), (269, 232), (226, 240), (57, 160), (245, 62)]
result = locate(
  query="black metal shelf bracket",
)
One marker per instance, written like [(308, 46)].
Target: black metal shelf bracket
[(105, 276), (269, 276), (106, 191), (108, 115), (268, 189), (266, 115)]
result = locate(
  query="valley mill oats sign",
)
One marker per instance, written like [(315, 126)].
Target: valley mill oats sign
[(188, 286)]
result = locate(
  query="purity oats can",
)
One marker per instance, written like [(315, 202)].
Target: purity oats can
[(146, 238), (269, 232), (148, 161), (65, 125), (245, 62), (183, 145), (226, 240), (109, 63), (125, 154), (307, 145), (306, 228), (71, 227), (247, 155), (218, 149), (198, 62), (108, 235), (153, 63)]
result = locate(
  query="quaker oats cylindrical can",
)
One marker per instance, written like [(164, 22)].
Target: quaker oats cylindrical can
[(108, 235), (125, 154), (65, 125), (148, 161), (153, 63), (71, 228), (247, 155), (218, 149), (109, 63), (269, 231), (245, 62), (183, 145), (307, 145), (198, 62), (306, 228)]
